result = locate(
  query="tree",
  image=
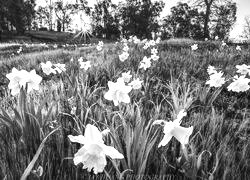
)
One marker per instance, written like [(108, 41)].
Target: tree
[(18, 13), (208, 7), (64, 10), (139, 17), (105, 19), (50, 10), (224, 18), (43, 16), (184, 21), (246, 30), (15, 14), (29, 13)]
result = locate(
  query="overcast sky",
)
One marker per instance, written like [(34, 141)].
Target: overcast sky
[(242, 11)]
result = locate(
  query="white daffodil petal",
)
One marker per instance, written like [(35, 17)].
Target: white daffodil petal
[(127, 89), (112, 152), (158, 122), (111, 85), (116, 103), (108, 95), (125, 98), (79, 139), (167, 137), (94, 158), (182, 134), (93, 134), (181, 114), (78, 158)]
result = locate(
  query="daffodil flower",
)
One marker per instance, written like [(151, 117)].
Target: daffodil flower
[(33, 80), (80, 60), (173, 129), (145, 63), (146, 46), (85, 65), (126, 76), (243, 69), (154, 51), (136, 40), (154, 57), (118, 92), (240, 84), (194, 47), (47, 68), (238, 48), (124, 56), (152, 43), (157, 41), (16, 80), (223, 44), (211, 70), (93, 152), (99, 46), (125, 48), (216, 80), (19, 79), (136, 84)]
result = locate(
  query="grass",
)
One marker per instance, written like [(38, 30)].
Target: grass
[(217, 149)]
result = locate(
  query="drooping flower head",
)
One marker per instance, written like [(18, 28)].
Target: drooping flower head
[(157, 41), (154, 51), (33, 80), (238, 48), (126, 76), (240, 84), (19, 79), (85, 65), (125, 48), (118, 92), (16, 80), (243, 69), (93, 152), (47, 68), (99, 46), (211, 70), (216, 80), (223, 44), (154, 57), (152, 42), (146, 45), (136, 40), (136, 84), (145, 63), (173, 128), (194, 47), (124, 56)]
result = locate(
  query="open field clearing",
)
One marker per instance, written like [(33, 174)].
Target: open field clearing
[(156, 110)]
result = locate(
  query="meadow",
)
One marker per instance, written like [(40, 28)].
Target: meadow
[(37, 127)]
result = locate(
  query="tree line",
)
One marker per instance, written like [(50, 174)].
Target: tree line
[(200, 19)]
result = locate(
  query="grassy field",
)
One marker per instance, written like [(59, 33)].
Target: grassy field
[(34, 127)]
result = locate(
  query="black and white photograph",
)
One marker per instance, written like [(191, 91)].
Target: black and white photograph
[(124, 89)]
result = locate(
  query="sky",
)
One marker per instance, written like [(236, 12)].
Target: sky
[(243, 10)]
